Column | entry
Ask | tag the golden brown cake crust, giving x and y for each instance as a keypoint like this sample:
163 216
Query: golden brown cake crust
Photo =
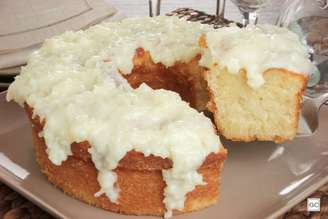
139 178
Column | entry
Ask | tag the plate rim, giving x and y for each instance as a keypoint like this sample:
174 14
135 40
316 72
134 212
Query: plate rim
13 182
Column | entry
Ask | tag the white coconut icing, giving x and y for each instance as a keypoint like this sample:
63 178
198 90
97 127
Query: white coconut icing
167 39
256 49
72 83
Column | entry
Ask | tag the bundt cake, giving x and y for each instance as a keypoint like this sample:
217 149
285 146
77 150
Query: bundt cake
116 109
105 137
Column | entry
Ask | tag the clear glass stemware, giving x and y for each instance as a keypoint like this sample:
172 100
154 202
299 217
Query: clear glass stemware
249 10
309 19
154 7
220 8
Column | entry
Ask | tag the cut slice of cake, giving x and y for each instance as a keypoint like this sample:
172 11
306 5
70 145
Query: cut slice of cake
256 80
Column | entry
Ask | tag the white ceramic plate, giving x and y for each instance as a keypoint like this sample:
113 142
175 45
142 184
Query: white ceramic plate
260 180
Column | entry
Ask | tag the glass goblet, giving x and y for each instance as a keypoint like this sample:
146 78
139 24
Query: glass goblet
249 10
309 19
154 7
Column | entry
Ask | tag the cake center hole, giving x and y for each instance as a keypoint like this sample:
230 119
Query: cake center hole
182 78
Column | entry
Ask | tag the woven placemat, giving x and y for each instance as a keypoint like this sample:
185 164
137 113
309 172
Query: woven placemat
14 206
300 210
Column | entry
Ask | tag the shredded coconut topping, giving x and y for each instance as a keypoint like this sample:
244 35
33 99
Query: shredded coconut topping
256 49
